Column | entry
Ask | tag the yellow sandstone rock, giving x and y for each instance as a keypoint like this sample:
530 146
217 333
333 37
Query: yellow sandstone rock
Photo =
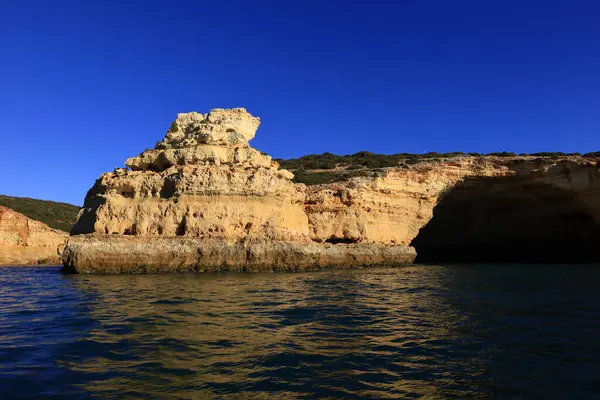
556 202
204 200
24 241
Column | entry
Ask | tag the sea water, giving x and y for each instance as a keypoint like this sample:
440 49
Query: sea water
463 331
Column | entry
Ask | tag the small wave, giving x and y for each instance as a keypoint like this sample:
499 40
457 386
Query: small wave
424 331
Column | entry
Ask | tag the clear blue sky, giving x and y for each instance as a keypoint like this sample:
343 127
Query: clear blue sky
86 84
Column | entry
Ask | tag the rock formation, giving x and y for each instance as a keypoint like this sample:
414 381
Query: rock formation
546 212
204 200
24 241
483 209
390 208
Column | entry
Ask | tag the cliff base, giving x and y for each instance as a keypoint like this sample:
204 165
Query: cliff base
130 254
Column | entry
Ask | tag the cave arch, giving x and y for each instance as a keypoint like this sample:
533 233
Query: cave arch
509 219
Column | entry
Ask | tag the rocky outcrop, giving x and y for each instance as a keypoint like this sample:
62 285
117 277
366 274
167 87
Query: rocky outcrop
202 181
483 209
24 241
549 214
390 208
211 202
114 254
204 200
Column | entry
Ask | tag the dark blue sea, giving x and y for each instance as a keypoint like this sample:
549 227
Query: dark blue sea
435 332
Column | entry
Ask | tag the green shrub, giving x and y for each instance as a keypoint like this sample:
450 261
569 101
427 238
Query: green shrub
316 178
551 154
173 127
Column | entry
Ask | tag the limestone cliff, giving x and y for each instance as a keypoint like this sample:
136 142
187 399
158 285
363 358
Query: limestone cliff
24 241
547 212
201 181
483 208
203 199
389 208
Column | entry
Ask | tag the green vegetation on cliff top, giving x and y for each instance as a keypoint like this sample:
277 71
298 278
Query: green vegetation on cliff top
323 168
56 215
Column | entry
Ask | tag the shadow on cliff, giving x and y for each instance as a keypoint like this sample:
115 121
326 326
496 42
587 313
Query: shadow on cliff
87 218
509 219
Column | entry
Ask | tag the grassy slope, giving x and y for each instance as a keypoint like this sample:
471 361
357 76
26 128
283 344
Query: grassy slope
56 215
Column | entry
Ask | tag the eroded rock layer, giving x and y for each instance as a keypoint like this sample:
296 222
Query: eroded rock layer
113 254
24 241
520 209
204 200
215 201
549 216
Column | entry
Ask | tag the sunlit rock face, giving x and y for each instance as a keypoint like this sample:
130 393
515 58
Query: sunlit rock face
520 209
204 200
24 241
205 187
391 208
202 181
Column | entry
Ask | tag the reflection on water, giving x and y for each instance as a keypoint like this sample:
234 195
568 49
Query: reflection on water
421 331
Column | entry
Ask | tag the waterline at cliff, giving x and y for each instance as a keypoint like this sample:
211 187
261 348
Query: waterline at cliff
204 200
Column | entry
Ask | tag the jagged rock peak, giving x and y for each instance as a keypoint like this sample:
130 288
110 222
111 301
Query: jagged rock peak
219 137
225 127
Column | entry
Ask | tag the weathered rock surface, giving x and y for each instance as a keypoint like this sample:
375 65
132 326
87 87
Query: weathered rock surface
550 215
204 200
483 209
202 181
390 208
24 241
114 254
214 201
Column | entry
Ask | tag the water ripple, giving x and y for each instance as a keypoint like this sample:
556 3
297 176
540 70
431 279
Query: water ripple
415 332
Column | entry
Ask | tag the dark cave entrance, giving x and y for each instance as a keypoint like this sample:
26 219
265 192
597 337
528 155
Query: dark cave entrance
337 240
509 219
